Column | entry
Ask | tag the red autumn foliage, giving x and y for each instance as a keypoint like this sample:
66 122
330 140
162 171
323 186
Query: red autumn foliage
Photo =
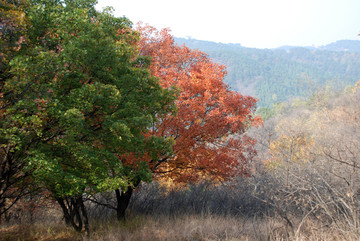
209 127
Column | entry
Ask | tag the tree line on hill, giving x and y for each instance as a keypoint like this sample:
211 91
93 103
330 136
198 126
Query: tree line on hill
276 75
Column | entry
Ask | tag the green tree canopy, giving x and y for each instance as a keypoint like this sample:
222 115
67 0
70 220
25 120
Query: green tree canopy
79 99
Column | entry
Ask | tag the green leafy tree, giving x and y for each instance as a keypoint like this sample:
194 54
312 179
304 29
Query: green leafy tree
78 101
13 178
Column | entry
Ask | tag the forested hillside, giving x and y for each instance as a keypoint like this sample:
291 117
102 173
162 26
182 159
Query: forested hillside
276 75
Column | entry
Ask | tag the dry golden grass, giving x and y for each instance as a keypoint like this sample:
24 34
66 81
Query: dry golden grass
40 232
200 227
180 228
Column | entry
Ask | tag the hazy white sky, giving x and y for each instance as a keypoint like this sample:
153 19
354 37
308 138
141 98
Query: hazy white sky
252 23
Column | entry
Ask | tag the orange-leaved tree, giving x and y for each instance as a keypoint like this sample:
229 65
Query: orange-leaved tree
208 130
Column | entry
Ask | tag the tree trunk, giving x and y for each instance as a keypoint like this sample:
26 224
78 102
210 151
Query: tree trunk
123 200
75 213
86 219
65 210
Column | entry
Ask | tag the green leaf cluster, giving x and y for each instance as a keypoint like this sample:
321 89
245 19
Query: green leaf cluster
76 100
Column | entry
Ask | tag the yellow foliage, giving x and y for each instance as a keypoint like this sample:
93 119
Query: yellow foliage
295 148
356 86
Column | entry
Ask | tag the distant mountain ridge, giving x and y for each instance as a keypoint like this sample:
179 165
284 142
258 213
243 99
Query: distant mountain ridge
338 46
343 45
276 75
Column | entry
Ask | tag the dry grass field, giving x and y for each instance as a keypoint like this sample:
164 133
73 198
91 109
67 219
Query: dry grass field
182 227
206 227
201 212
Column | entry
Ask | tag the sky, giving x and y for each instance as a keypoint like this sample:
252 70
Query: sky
251 23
